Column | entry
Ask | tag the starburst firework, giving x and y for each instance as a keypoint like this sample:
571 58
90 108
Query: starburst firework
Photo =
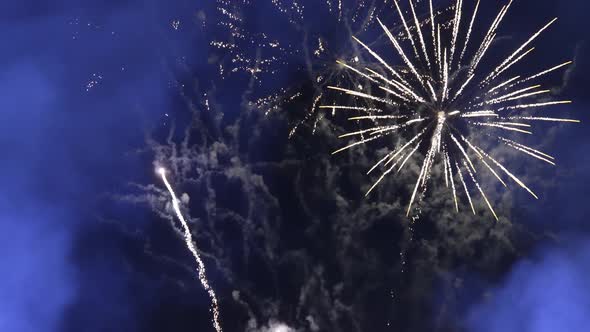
439 94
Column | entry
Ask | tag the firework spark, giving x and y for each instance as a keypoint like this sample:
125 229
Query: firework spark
440 94
188 239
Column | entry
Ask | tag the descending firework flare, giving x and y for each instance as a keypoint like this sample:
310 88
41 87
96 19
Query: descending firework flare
188 239
442 97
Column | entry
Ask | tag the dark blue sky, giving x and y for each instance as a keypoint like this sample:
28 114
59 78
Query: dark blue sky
65 146
81 82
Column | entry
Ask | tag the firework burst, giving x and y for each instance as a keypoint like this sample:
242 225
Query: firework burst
440 94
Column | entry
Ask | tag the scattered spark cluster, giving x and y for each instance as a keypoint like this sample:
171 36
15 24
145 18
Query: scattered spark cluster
188 239
239 41
266 51
442 97
93 82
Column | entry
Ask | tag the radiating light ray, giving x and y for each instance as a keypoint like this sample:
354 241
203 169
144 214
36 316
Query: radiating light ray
494 125
501 98
354 108
356 143
478 114
512 63
438 52
504 84
515 124
489 38
400 51
401 15
465 187
533 118
432 92
377 117
530 94
402 88
188 239
498 20
380 59
546 71
409 156
419 30
460 146
451 177
436 144
370 130
456 23
381 129
530 40
445 76
445 166
481 191
485 47
393 154
381 178
458 93
549 103
408 95
391 92
530 153
361 94
342 63
424 173
469 33
481 115
438 131
433 26
483 161
392 128
512 176
528 148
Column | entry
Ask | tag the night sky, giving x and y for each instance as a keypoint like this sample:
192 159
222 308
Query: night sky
95 95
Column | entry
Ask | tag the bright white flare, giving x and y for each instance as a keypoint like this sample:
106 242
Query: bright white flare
437 96
188 239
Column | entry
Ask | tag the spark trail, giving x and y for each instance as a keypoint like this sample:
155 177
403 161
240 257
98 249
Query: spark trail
437 98
188 239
